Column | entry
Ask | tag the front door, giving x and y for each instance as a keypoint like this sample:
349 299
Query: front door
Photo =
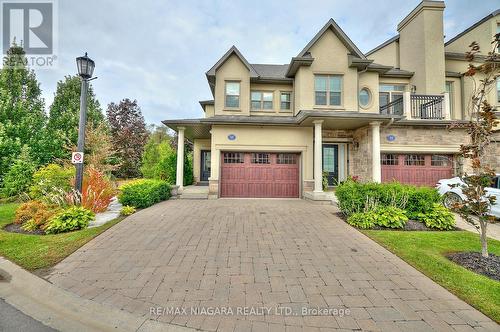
331 163
205 165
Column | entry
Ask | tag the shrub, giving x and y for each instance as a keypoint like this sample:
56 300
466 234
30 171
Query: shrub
358 197
159 161
127 210
143 193
49 179
421 200
389 216
35 212
70 219
438 217
97 191
361 220
30 226
19 176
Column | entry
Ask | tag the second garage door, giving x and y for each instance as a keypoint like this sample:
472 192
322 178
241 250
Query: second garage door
416 169
259 174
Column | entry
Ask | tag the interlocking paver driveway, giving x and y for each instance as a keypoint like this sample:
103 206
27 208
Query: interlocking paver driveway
283 255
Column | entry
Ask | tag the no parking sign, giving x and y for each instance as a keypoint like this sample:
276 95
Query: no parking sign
77 157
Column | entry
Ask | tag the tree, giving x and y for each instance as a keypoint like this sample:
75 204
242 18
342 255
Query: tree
22 115
129 134
159 160
19 176
477 204
64 116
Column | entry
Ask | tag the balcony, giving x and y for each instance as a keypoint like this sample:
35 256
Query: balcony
416 107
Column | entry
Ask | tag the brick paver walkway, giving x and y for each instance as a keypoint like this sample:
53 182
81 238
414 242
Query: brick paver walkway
237 259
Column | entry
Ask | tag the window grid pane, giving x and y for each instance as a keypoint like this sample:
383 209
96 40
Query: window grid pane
335 98
389 159
260 158
286 159
414 160
335 83
233 158
232 101
440 160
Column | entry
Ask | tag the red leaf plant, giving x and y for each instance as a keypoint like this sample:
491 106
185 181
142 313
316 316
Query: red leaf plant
97 191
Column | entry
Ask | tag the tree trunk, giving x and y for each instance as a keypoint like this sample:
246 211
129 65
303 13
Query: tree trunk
484 240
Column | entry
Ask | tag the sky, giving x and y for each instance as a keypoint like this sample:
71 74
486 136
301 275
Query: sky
158 51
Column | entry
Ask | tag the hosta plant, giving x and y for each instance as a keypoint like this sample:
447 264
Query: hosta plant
362 220
438 217
390 217
70 219
127 210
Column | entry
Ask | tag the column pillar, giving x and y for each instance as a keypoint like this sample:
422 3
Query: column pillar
179 178
407 104
447 108
376 169
318 157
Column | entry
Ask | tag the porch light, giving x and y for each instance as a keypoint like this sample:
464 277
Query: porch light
85 66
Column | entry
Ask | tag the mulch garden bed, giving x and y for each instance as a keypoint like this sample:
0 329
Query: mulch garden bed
489 267
16 228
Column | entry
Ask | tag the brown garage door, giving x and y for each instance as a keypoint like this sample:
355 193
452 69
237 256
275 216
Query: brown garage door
416 169
259 174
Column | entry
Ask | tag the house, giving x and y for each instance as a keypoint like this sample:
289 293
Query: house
273 130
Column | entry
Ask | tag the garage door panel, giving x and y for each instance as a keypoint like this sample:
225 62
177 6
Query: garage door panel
260 175
419 170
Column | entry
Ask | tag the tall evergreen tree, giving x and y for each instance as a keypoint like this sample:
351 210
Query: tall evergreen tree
64 115
129 133
22 114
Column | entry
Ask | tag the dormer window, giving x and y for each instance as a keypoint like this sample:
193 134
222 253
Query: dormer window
328 90
232 95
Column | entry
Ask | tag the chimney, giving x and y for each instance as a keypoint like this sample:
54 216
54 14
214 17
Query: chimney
421 47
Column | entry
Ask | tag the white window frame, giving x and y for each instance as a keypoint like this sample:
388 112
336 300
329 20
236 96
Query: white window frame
226 94
328 90
289 109
262 101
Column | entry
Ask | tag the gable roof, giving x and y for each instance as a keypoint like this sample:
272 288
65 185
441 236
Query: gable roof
332 25
472 27
231 51
384 44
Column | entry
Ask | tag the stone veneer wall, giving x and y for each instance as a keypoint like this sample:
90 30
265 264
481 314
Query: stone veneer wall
437 135
360 159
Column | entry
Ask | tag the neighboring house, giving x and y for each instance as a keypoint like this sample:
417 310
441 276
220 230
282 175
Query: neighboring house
272 130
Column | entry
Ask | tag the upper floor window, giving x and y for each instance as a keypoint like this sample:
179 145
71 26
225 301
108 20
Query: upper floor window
328 90
232 95
365 97
262 100
285 100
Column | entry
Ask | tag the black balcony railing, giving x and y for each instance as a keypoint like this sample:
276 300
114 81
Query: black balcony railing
395 107
427 106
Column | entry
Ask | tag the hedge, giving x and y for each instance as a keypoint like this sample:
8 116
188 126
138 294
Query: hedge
144 193
356 197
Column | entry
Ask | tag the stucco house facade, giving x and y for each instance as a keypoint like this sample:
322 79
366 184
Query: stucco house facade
274 130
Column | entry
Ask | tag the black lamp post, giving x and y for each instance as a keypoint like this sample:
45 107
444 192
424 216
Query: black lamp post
85 67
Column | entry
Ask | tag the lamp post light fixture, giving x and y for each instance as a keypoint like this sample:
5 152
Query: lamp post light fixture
85 67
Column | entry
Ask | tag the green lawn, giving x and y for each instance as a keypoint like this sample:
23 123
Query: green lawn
34 252
425 251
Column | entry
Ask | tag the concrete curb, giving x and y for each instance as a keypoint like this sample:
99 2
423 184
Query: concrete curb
65 311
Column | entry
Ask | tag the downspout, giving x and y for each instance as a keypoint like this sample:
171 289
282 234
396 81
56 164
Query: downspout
391 121
462 95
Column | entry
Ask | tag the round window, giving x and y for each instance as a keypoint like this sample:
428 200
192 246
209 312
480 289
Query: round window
364 97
